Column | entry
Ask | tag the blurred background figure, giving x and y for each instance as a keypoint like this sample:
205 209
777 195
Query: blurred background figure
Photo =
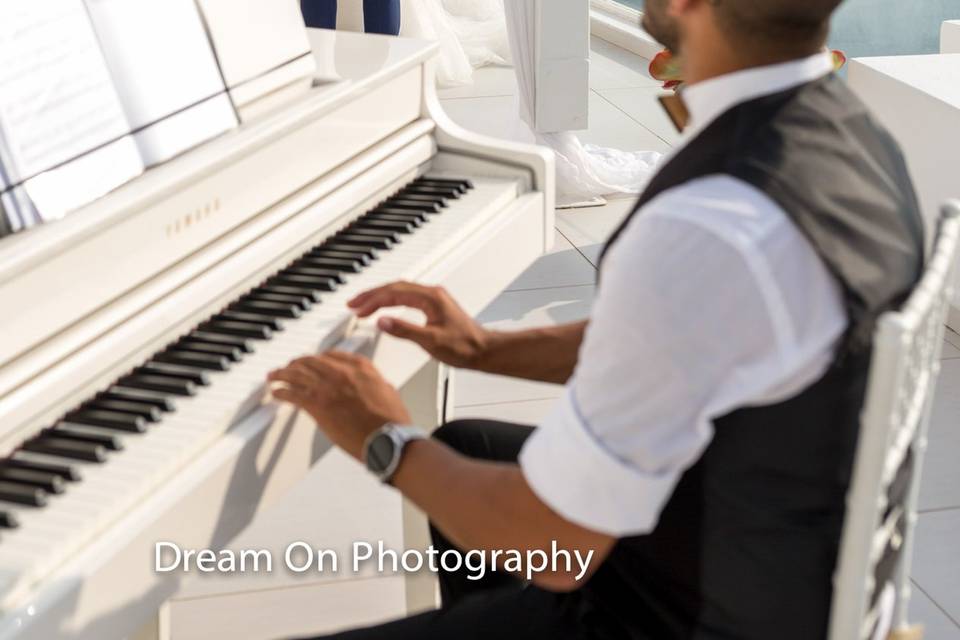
379 16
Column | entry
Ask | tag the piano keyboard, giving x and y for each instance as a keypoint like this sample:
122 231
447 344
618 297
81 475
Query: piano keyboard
73 478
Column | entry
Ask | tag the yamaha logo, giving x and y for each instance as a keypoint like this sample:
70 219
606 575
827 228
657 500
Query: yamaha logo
184 222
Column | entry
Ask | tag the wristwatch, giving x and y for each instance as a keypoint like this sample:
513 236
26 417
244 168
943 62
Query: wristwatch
384 448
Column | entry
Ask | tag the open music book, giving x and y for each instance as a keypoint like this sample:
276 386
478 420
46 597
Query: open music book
94 91
62 129
165 73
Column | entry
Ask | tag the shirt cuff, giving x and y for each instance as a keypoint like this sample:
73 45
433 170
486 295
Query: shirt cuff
572 472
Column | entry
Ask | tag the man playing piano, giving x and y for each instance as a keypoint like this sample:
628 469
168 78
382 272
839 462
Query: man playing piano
703 446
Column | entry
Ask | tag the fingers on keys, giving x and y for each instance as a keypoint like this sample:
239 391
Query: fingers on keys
313 375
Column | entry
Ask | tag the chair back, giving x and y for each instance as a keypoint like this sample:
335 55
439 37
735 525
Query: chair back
872 580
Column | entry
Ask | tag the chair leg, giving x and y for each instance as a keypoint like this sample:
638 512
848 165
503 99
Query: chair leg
907 633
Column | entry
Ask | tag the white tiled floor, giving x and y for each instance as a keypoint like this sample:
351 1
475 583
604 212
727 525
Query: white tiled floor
558 288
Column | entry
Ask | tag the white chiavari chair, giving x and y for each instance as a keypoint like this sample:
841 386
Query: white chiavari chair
872 581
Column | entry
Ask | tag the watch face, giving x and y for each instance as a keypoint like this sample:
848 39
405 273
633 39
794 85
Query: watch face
380 453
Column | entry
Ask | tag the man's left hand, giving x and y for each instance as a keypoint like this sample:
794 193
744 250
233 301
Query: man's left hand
344 393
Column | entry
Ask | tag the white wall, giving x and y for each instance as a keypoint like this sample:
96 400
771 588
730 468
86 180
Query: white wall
950 37
918 99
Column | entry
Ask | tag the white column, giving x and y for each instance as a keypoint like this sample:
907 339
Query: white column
550 41
563 65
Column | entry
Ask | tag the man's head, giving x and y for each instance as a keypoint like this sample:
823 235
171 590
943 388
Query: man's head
776 29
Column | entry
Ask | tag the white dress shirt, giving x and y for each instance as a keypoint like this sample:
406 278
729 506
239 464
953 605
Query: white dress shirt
710 301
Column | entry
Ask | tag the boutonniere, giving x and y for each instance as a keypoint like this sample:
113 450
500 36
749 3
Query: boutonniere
668 68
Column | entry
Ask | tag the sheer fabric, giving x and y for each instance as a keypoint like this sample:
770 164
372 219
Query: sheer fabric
474 33
471 33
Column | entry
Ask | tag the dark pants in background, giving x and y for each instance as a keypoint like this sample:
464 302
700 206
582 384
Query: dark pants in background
379 16
499 606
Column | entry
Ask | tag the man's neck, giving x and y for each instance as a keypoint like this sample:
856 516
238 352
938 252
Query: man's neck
704 63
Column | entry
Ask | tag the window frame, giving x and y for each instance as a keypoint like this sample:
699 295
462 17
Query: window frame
619 24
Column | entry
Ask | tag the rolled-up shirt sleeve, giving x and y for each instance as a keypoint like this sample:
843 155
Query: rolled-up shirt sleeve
682 332
571 470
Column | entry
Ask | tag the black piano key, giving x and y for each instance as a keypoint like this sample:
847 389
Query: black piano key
314 272
341 247
232 354
281 290
411 205
49 482
439 195
238 329
301 302
357 256
148 412
163 384
434 188
422 216
195 375
443 180
386 225
263 307
65 430
411 218
304 282
68 473
383 244
160 400
270 322
23 494
237 342
465 185
336 264
429 196
441 183
63 448
109 419
208 361
376 234
8 520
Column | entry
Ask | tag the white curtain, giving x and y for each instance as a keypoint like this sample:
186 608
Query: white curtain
473 33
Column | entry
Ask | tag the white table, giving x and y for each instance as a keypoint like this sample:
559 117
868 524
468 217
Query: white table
918 99
950 37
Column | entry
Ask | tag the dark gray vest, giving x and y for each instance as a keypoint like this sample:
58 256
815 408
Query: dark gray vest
747 544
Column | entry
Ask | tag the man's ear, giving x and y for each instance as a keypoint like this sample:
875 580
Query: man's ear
679 8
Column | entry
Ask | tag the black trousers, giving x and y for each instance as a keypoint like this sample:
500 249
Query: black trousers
498 606
379 16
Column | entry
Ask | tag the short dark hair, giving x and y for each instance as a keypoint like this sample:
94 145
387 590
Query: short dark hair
798 21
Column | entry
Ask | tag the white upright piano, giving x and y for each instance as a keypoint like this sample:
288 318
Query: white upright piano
135 334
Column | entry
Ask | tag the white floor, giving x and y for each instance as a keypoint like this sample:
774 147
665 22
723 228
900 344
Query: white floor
559 288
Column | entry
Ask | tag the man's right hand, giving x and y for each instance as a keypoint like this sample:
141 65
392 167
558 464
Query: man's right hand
450 334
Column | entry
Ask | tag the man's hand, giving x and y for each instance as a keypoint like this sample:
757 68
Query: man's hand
450 335
454 338
344 393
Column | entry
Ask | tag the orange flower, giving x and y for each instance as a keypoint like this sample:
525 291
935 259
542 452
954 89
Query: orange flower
666 67
839 59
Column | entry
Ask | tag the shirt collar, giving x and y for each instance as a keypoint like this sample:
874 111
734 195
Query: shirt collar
709 99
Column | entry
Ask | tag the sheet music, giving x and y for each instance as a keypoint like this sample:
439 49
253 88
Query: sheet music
57 103
165 73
